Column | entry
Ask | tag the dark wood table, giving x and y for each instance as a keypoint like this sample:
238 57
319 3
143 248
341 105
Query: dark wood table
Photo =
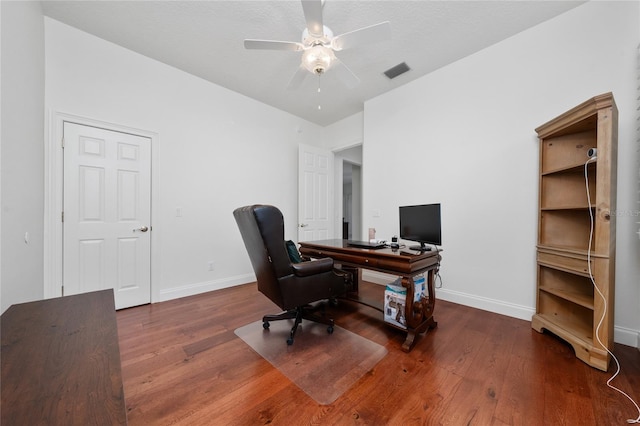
401 262
61 362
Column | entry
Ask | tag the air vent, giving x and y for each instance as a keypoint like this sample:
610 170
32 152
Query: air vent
393 72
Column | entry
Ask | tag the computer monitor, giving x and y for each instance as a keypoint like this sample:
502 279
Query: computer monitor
421 224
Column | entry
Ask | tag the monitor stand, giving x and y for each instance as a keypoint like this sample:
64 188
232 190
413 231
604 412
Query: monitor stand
421 247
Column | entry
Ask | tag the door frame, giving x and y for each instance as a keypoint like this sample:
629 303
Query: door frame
339 161
356 186
53 192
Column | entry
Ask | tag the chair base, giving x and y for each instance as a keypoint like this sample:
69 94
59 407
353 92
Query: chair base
301 312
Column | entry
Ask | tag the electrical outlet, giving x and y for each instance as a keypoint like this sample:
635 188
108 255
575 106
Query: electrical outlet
211 265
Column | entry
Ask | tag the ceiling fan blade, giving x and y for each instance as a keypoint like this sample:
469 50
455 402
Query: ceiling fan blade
297 78
272 45
344 74
370 34
313 16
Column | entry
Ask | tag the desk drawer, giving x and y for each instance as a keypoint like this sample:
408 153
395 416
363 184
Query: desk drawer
340 257
313 253
356 260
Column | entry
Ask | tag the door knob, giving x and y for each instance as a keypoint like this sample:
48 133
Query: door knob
302 225
143 229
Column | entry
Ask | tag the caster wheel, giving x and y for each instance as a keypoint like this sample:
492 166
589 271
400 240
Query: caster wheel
290 341
265 325
330 329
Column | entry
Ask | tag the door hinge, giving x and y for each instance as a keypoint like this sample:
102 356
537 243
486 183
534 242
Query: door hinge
62 216
62 291
62 143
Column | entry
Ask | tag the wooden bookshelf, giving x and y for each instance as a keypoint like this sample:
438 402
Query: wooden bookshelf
574 277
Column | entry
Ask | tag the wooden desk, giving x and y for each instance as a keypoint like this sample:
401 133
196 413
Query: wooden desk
61 362
402 262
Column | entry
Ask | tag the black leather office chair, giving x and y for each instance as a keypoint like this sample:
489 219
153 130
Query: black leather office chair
291 286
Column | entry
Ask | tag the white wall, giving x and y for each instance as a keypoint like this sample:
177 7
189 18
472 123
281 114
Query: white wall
1 306
343 134
638 164
22 175
464 136
218 151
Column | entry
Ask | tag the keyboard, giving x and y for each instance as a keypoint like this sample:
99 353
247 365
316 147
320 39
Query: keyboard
365 244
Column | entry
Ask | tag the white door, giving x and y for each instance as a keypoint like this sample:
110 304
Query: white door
315 193
107 214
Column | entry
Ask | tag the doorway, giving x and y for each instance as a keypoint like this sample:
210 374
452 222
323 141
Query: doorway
349 161
351 201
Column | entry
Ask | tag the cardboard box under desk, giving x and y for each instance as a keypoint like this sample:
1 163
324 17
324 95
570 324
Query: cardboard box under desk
395 297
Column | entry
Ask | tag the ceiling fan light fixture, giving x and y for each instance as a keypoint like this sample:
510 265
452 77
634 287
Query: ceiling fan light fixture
318 59
319 45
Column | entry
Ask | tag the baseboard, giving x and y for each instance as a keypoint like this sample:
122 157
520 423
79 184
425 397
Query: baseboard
487 304
626 336
474 301
203 287
377 277
622 335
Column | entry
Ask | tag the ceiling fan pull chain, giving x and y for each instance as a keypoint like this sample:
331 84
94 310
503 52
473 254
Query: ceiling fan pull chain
319 106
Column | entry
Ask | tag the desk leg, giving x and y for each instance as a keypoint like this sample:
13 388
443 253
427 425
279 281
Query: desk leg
419 314
356 275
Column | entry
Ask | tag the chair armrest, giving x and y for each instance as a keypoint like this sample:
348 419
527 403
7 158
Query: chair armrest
313 267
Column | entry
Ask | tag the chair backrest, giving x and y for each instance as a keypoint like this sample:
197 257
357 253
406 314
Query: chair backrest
262 230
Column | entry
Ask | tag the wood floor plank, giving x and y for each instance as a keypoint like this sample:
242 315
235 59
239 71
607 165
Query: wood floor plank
605 399
522 393
482 385
567 399
182 364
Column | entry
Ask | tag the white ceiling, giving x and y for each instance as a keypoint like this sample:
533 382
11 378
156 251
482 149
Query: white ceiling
205 38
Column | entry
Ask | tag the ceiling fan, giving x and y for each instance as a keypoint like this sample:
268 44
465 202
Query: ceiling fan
319 45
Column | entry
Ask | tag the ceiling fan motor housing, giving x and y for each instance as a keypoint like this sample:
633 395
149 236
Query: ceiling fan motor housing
310 40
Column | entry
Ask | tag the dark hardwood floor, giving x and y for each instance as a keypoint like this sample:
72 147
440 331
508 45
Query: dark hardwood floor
182 364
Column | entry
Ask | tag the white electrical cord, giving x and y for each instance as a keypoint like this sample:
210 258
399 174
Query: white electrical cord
604 312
